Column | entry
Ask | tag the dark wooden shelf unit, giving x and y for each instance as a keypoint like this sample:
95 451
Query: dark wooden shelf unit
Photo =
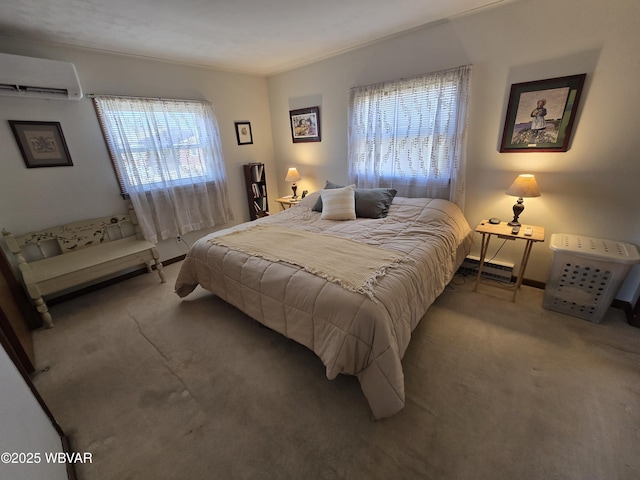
256 186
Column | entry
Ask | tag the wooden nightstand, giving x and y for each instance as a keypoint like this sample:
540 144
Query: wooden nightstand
503 230
288 201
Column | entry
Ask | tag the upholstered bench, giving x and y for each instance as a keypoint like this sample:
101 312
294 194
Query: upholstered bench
76 254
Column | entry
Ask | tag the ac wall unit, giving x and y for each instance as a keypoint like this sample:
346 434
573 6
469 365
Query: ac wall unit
30 77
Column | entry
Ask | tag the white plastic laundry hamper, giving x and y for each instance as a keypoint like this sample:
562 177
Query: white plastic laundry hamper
586 273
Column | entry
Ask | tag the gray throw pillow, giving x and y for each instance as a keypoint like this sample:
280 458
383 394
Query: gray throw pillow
374 202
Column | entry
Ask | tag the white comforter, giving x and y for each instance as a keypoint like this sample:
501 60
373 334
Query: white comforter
350 332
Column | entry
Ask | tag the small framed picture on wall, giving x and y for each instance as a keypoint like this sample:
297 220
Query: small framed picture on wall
243 133
41 144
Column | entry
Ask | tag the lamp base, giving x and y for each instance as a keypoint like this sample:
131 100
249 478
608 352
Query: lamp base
294 187
517 210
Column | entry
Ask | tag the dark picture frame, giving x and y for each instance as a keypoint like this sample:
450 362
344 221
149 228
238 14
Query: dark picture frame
541 114
243 133
41 144
305 124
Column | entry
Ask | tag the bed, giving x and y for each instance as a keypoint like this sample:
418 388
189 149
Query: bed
355 327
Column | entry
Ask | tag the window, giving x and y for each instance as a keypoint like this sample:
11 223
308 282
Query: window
168 159
156 142
409 135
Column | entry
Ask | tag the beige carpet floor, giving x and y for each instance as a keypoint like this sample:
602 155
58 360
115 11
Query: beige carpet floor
161 388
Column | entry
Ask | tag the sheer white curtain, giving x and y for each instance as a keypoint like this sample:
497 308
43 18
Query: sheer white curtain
168 158
410 135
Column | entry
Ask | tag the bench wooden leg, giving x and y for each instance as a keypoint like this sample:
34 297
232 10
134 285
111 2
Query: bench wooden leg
160 269
41 306
156 259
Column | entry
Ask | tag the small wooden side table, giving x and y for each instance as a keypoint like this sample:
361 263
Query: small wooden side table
503 230
288 202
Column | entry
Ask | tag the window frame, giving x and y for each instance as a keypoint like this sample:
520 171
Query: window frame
117 153
423 160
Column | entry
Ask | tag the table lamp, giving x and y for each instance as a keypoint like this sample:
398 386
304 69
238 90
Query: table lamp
293 176
524 186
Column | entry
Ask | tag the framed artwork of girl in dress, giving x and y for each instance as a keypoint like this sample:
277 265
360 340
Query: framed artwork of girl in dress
540 115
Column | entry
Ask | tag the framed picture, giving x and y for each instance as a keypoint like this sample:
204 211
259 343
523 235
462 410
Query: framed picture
540 115
243 133
305 124
42 144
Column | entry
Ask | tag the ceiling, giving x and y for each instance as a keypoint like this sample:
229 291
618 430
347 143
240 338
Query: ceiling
253 36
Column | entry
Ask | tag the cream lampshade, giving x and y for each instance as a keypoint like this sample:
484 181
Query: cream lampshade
524 186
293 176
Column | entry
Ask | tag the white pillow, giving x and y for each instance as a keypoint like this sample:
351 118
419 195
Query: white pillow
339 203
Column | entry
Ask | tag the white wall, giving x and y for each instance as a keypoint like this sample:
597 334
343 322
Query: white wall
40 197
588 190
25 428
